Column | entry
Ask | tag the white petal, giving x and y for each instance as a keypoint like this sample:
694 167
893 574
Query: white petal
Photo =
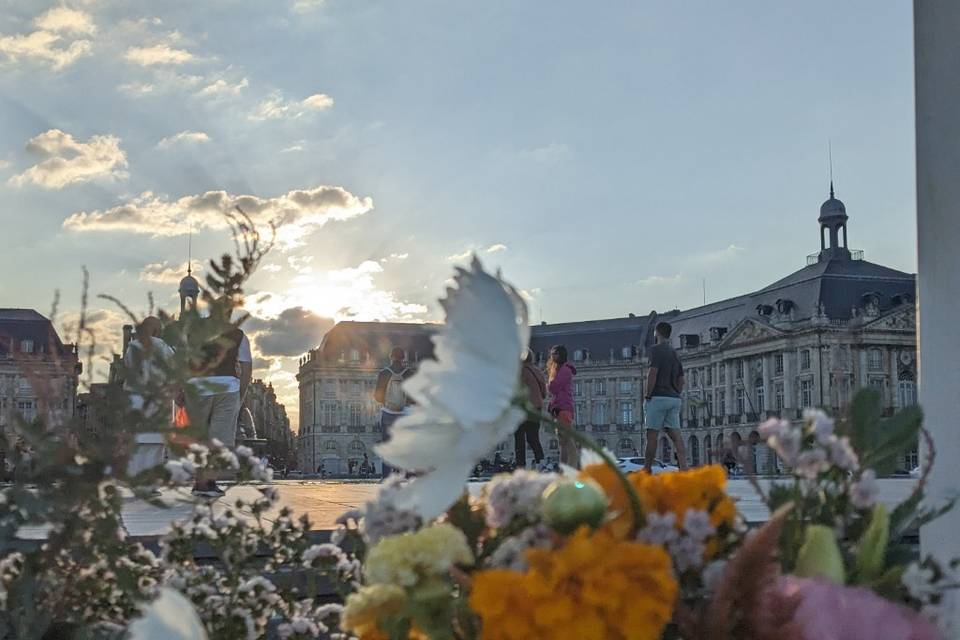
171 617
432 494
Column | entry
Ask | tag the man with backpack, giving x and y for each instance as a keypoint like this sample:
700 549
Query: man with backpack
390 395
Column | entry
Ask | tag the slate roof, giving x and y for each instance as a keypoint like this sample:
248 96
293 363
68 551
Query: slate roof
377 339
17 325
603 339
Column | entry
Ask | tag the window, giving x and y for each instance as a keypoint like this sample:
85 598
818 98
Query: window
805 360
778 392
876 384
329 416
693 448
741 401
554 445
626 413
600 387
710 376
354 355
578 355
696 378
907 391
24 385
356 447
626 446
739 369
709 408
761 399
778 364
600 413
722 373
707 450
666 454
875 360
627 353
602 443
579 409
355 415
330 445
330 389
26 346
577 388
722 403
25 408
356 387
626 385
806 393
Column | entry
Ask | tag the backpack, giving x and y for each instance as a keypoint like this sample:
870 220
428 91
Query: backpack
394 399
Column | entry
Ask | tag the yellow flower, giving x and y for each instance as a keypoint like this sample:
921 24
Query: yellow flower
406 559
595 586
700 489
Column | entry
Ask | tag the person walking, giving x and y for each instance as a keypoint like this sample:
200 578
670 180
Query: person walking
529 431
662 397
560 376
390 395
143 359
220 389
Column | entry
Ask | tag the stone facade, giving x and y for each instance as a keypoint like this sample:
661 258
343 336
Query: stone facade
270 423
38 373
810 339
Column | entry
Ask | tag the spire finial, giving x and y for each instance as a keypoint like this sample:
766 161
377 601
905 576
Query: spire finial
830 154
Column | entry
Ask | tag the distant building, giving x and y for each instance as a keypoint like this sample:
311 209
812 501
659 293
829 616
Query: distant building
810 339
38 372
270 422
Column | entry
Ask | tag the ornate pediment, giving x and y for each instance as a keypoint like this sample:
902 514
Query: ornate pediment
904 319
749 331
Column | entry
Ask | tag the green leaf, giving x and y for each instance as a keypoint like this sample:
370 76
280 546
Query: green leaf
819 557
896 435
865 411
873 545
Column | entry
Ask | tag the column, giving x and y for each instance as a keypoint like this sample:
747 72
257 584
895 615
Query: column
789 380
820 396
892 389
862 379
768 400
728 388
936 50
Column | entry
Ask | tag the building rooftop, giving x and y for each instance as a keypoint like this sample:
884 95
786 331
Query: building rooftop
26 331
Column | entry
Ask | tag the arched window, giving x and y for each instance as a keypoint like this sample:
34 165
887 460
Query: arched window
356 447
719 447
554 445
907 389
761 396
666 449
330 445
875 360
626 446
694 445
707 450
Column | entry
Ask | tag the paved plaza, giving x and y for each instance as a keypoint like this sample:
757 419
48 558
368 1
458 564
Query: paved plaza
325 500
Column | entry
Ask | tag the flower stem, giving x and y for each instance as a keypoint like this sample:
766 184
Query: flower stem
584 440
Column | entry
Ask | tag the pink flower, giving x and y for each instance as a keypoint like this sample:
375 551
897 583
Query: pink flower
833 612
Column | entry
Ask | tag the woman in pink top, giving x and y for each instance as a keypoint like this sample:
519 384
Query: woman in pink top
560 374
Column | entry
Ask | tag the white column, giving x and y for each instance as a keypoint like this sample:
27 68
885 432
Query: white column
936 52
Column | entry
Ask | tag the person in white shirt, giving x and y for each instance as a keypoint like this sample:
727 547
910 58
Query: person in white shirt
142 356
227 370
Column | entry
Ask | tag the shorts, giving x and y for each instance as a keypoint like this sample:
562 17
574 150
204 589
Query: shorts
217 414
662 412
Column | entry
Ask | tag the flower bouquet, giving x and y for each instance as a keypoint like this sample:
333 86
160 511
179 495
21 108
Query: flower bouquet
596 553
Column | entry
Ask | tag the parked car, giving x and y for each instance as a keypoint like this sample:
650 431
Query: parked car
629 465
296 474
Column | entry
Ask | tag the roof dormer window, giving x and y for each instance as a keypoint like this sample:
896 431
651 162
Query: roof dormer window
26 346
764 310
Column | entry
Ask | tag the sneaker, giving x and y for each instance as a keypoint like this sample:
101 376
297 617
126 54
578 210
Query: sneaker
209 491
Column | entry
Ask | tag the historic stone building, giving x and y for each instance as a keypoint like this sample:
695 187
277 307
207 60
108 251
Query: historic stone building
270 424
810 339
38 372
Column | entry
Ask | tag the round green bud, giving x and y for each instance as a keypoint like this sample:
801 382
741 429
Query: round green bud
569 503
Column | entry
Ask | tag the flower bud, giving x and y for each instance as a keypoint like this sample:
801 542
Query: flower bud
568 503
819 557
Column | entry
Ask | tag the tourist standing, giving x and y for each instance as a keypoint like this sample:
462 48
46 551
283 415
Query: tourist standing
220 388
529 431
390 395
662 407
560 375
143 358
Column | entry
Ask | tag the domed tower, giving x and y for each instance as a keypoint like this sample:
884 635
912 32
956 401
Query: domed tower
189 291
833 219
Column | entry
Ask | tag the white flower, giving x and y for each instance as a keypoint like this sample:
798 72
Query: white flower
787 444
686 553
515 495
382 516
659 529
810 464
244 452
842 454
919 582
696 524
464 397
512 552
170 616
325 550
865 491
821 425
179 473
773 427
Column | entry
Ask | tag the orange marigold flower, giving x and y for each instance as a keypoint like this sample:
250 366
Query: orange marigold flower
595 586
701 489
620 520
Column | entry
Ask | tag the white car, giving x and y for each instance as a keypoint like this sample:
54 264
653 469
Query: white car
629 465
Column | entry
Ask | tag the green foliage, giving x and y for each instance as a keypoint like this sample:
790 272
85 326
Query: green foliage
872 548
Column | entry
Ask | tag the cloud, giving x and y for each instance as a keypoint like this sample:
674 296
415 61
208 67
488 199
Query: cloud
296 213
67 161
184 137
465 254
714 258
60 39
276 107
4 163
167 273
158 54
106 327
549 155
496 248
293 332
297 146
305 6
211 86
654 281
221 87
271 267
457 257
399 256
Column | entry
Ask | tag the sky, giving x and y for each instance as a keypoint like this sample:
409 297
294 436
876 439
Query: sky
610 158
